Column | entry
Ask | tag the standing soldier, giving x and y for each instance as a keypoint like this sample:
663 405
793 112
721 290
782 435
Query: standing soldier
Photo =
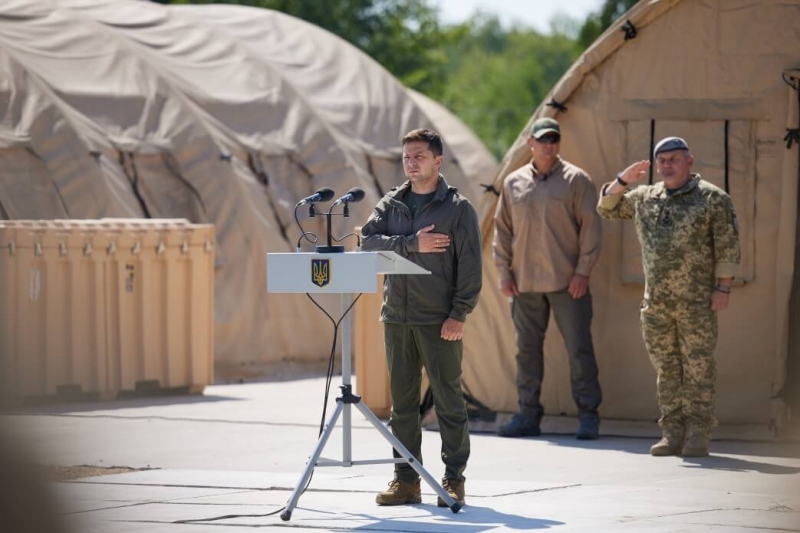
546 241
690 252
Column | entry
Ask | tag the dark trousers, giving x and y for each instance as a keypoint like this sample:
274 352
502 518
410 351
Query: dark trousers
408 348
531 314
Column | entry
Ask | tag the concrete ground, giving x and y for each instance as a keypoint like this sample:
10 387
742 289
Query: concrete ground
230 458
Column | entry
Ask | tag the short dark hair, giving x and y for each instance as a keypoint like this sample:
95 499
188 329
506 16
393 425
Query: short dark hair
429 136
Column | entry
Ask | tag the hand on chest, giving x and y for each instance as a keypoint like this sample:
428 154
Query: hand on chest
402 222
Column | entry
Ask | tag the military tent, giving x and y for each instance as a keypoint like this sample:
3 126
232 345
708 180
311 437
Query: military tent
724 75
220 114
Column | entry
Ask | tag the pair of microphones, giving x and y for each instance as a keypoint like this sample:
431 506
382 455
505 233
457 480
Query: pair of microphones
324 194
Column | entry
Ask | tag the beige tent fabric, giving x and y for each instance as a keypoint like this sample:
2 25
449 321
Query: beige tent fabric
25 175
787 333
694 69
360 104
220 114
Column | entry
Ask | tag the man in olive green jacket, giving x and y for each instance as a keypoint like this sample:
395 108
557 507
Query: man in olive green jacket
429 223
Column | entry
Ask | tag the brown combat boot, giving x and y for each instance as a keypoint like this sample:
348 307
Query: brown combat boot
696 446
666 446
400 493
454 489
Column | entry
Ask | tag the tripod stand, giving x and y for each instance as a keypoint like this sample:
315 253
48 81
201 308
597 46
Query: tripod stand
285 273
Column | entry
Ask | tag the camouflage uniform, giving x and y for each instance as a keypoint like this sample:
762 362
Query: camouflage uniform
689 238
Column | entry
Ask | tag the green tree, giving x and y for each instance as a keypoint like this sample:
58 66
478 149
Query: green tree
402 35
598 22
496 78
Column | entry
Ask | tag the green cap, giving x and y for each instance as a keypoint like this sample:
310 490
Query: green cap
543 126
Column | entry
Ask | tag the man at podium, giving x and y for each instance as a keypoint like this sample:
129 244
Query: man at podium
429 223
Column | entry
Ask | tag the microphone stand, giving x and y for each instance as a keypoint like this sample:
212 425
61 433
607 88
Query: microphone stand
331 248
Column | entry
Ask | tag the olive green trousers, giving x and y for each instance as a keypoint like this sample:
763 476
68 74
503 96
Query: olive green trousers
409 348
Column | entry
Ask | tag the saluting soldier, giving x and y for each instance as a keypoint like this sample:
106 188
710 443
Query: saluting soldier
690 252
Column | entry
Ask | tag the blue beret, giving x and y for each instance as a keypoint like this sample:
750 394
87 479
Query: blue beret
670 144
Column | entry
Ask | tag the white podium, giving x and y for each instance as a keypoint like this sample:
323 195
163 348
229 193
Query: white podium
344 273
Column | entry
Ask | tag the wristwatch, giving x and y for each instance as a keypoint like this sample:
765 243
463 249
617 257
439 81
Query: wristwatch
619 180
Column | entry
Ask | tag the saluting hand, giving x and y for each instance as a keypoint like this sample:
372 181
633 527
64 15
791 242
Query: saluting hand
432 242
635 172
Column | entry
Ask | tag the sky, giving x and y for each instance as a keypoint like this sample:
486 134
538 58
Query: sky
534 13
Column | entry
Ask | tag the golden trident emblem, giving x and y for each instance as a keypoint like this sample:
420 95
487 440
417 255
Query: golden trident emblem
320 272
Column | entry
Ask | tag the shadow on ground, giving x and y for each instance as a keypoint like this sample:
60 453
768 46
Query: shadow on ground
732 464
471 519
641 446
128 403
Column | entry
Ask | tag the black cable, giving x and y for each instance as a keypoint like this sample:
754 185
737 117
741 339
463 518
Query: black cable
316 238
328 378
358 239
305 233
331 358
227 516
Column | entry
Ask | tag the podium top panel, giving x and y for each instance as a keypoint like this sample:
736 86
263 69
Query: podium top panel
391 263
346 272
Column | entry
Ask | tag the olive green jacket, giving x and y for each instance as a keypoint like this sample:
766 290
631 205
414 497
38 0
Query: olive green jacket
452 288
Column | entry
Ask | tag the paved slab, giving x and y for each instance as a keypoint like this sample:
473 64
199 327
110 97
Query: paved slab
230 458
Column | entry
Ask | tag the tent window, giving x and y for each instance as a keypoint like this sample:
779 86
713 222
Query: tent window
725 155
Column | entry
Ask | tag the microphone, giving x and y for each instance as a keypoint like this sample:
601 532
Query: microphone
323 194
356 194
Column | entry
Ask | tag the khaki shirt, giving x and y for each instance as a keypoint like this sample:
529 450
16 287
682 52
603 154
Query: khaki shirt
689 239
546 227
